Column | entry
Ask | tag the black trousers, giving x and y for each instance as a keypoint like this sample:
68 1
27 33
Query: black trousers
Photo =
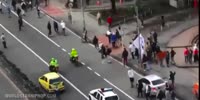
4 44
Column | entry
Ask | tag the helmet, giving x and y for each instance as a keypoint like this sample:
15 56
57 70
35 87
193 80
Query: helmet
73 49
52 58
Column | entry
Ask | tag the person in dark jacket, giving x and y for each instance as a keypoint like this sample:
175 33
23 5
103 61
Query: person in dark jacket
161 94
167 58
18 11
95 42
172 53
55 25
137 53
14 4
103 52
155 36
190 56
139 89
20 22
49 28
172 76
125 56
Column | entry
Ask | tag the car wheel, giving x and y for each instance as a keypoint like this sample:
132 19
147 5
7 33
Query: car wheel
90 98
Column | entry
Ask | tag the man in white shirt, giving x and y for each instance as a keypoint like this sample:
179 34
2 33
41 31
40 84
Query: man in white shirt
62 24
108 34
132 49
131 76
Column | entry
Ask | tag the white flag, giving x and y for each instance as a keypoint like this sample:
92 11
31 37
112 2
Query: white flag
140 43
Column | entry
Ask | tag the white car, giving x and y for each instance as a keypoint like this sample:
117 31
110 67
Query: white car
103 94
155 82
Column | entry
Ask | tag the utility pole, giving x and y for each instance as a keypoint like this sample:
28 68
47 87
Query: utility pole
138 33
82 8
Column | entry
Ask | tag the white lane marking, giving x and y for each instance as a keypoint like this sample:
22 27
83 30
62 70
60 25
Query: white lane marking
119 89
97 74
64 50
82 63
13 84
89 68
74 86
43 60
35 28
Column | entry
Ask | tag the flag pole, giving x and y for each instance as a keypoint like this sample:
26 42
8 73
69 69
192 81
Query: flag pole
138 33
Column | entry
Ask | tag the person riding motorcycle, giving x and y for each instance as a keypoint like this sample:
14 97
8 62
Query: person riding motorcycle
53 66
74 54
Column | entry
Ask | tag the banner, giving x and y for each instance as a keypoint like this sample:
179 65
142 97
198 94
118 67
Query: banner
139 44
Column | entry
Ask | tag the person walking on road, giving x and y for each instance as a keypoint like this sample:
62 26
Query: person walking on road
125 57
20 22
9 11
14 4
186 52
38 11
131 49
55 25
172 76
160 94
62 24
49 28
1 11
95 42
172 54
3 39
18 11
147 91
140 89
131 76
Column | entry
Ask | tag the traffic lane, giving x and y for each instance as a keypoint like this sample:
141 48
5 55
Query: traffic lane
114 72
31 66
8 88
83 72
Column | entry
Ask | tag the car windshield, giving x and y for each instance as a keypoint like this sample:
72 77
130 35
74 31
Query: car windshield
156 82
112 98
52 81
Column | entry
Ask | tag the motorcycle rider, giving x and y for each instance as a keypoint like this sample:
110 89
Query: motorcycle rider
74 54
53 64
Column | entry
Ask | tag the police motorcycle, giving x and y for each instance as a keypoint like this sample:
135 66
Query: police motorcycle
74 58
53 66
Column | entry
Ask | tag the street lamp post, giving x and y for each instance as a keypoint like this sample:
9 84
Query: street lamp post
82 8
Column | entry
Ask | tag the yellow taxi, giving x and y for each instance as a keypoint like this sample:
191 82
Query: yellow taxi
51 81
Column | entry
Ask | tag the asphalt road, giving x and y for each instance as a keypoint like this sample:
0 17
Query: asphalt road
8 89
83 78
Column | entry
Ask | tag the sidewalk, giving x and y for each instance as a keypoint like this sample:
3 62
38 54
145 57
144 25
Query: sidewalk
183 86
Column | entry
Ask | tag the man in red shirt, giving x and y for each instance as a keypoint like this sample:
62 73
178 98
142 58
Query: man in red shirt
196 56
109 21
